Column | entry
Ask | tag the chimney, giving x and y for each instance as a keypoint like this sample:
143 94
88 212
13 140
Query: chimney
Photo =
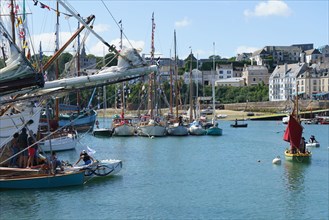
285 68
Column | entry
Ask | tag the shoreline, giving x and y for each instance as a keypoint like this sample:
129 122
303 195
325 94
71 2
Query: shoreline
231 115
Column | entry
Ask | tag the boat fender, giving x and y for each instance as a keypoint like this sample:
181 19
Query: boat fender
276 160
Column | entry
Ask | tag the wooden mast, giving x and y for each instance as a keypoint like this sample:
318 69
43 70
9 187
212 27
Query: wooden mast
57 65
170 94
191 92
176 77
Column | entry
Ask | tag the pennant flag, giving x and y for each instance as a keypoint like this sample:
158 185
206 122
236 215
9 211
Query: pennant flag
25 45
35 2
19 21
120 22
22 33
90 151
44 6
28 55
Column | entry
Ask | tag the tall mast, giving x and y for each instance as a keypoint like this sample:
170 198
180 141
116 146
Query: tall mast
191 92
176 77
170 97
123 103
78 68
151 76
57 65
12 18
213 82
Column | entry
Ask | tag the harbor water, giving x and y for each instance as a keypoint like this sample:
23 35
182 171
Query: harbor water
205 177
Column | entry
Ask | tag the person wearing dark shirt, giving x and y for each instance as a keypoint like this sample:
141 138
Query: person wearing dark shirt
22 143
87 159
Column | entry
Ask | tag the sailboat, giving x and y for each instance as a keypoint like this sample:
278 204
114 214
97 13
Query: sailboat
293 135
105 132
212 128
195 127
152 125
178 128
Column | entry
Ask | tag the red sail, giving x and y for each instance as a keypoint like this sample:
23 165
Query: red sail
293 133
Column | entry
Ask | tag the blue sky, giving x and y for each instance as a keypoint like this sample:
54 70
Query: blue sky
234 26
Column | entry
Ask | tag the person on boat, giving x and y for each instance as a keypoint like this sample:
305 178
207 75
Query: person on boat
15 149
22 143
302 146
236 121
97 124
55 162
180 120
31 151
312 139
87 159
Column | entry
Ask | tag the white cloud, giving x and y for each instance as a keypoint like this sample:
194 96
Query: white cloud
48 42
246 49
183 23
100 28
269 8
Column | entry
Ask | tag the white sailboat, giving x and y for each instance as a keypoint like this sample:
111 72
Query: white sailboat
152 125
213 129
177 129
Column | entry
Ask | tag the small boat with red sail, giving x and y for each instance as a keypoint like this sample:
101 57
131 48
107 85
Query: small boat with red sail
293 135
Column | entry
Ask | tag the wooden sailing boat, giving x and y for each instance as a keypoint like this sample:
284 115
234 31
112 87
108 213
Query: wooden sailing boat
293 135
177 129
122 126
195 127
105 132
213 129
152 125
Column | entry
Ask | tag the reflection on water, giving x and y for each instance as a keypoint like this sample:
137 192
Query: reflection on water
294 177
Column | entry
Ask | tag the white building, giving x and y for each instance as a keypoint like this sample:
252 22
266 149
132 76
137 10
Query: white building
282 82
234 81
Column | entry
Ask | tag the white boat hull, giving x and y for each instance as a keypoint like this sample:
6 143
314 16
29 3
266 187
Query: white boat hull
152 130
197 130
124 130
100 168
68 142
177 131
317 144
11 123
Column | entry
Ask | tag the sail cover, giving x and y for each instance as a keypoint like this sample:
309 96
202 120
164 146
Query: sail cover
293 133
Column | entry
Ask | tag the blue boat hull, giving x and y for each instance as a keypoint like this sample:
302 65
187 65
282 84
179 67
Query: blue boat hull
43 181
82 122
215 131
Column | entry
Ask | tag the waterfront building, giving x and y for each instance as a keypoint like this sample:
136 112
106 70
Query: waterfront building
282 82
253 75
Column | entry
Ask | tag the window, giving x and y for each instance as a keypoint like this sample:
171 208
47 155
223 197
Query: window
254 79
221 72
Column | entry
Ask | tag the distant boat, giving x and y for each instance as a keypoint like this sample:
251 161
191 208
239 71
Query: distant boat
82 121
149 127
123 126
105 131
196 128
285 120
60 142
237 125
214 130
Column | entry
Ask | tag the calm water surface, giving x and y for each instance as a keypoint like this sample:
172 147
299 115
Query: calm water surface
227 177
